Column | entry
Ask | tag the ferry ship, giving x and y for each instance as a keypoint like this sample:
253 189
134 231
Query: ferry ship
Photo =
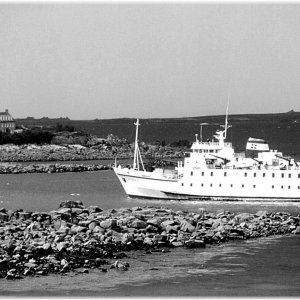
213 171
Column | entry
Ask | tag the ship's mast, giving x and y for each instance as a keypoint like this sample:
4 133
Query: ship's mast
226 120
221 135
137 158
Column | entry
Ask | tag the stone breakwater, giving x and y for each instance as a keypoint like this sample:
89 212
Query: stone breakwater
49 168
76 238
30 153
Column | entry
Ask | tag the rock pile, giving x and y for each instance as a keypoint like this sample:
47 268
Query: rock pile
30 153
49 168
74 237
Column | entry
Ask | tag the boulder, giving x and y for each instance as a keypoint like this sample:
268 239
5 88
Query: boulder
172 229
138 224
3 217
154 222
187 226
62 245
166 223
126 238
194 243
261 214
109 223
244 217
297 230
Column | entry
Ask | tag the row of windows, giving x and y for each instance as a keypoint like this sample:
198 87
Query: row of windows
7 125
246 174
206 151
254 186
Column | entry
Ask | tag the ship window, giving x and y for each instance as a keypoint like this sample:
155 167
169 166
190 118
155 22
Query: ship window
211 173
124 179
246 174
282 186
231 185
202 184
202 173
220 185
254 174
272 186
254 186
282 175
211 151
242 185
182 184
264 174
298 187
191 173
290 175
225 174
289 187
273 175
211 185
191 184
298 175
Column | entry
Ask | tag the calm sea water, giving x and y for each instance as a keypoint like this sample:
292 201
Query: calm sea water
264 267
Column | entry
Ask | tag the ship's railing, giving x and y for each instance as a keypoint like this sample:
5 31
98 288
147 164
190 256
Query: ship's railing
213 144
171 176
254 167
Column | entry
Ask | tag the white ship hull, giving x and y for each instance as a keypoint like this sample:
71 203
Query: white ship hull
212 170
214 184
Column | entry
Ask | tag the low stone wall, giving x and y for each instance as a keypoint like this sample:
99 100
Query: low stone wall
76 238
49 168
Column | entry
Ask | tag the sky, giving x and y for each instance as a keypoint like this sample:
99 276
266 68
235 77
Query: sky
99 60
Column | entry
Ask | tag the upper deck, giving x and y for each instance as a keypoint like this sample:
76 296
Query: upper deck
210 147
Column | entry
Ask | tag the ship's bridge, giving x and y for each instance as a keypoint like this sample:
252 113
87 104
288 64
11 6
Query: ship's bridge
209 147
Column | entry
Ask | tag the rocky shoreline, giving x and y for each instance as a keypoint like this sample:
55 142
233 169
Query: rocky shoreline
10 168
74 238
45 153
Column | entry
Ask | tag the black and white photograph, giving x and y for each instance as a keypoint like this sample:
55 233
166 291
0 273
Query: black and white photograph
149 149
